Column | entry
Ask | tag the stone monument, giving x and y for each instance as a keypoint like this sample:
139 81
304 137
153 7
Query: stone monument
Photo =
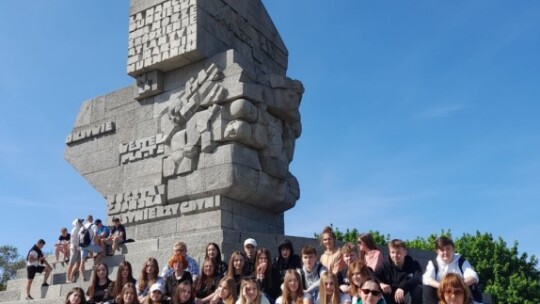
200 145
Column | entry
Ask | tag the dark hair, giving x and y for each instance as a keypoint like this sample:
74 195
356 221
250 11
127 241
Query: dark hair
74 290
217 260
443 241
268 273
41 241
367 239
95 280
374 280
118 286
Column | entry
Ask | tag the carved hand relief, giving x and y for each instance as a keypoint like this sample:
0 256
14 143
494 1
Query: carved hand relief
229 130
208 114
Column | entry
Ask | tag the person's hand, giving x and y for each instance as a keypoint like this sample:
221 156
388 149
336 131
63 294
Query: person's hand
399 297
261 269
386 288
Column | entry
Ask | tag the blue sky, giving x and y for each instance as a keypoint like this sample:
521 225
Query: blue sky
418 115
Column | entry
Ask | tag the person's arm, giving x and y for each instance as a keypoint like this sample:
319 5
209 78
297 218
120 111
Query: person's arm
416 278
209 297
469 274
429 277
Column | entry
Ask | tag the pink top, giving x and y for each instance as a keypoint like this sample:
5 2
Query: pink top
374 259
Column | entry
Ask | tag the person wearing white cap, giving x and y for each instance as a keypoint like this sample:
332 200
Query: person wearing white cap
74 250
156 295
250 249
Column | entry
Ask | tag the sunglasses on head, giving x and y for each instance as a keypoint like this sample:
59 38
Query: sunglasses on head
374 293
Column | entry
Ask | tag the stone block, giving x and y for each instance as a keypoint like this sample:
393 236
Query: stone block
106 181
230 153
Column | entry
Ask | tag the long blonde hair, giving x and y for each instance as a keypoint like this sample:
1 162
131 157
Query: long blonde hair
245 282
286 297
325 277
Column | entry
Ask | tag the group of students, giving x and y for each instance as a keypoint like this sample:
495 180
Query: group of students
74 249
353 274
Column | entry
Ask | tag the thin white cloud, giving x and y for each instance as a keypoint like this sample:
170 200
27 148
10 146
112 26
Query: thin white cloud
442 111
21 202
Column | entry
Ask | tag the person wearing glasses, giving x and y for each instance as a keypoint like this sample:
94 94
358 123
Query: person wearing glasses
369 251
193 266
454 290
400 275
359 273
371 292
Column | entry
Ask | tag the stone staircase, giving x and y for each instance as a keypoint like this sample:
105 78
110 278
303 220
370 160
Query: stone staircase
136 253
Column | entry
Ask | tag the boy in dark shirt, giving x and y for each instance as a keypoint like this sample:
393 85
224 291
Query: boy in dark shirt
400 275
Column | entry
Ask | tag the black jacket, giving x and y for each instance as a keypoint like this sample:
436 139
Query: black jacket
406 278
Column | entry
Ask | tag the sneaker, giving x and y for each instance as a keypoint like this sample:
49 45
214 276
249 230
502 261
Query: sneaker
69 281
44 284
29 297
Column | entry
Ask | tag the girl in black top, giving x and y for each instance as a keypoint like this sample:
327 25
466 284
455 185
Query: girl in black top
213 252
98 291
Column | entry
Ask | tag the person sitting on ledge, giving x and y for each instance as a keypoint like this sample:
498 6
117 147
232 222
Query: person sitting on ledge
117 237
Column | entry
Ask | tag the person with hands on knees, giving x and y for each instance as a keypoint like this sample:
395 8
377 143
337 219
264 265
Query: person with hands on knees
400 275
62 245
447 261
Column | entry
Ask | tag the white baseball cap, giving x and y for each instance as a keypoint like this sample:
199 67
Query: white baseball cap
250 241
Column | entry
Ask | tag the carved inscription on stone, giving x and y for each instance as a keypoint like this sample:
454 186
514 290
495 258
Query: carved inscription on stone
149 84
161 32
132 211
142 148
136 199
91 132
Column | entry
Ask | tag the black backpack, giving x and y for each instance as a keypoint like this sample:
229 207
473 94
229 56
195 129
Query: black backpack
476 292
84 236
